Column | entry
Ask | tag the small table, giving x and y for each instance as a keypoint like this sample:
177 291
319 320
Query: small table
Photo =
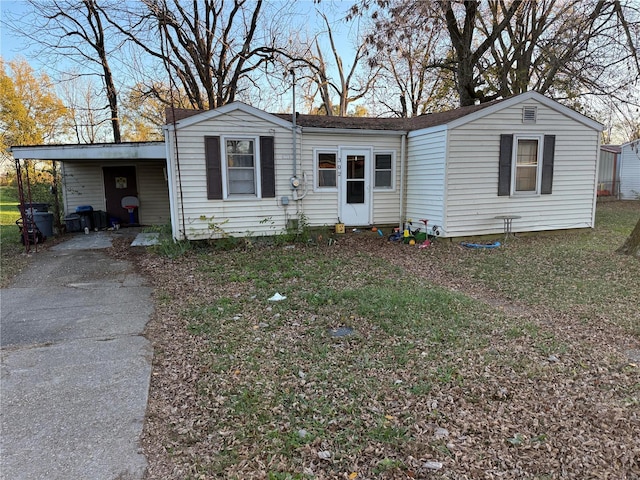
507 220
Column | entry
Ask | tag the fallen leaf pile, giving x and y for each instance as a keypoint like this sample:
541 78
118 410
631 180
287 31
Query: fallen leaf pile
475 385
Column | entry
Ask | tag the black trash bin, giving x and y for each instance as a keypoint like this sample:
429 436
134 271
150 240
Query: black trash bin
35 207
86 216
72 223
99 219
44 222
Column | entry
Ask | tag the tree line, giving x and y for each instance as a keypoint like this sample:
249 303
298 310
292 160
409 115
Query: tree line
124 62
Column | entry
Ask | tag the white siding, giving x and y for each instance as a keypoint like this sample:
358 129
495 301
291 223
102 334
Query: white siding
472 175
425 185
321 207
83 184
153 194
630 171
205 218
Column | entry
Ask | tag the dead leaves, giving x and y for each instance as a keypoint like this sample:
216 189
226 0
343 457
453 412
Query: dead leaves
265 389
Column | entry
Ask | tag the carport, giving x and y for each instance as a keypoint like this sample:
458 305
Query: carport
101 176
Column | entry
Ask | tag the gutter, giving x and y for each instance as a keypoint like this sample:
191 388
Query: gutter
351 131
172 189
403 163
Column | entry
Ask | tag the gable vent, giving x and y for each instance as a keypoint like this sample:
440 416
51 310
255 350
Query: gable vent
529 114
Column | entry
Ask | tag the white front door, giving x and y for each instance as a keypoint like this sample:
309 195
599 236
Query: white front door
355 199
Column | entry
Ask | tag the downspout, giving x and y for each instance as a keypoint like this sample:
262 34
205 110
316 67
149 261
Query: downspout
595 184
403 163
295 181
172 188
615 176
293 121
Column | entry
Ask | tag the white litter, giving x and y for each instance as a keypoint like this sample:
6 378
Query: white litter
277 298
431 465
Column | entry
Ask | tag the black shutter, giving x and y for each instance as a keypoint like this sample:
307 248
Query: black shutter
267 167
504 168
548 153
214 167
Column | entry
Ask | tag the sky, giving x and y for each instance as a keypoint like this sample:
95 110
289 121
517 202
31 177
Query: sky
12 45
345 35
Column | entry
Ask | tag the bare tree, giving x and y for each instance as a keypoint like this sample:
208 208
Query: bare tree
85 115
409 85
500 48
76 30
347 86
632 245
208 48
562 48
461 20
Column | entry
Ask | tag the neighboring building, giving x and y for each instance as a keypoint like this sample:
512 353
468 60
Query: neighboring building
609 171
630 171
240 171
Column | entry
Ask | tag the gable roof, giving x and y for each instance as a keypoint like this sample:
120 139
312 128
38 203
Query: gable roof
183 118
452 118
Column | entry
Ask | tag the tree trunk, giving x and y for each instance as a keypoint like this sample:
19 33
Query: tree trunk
632 245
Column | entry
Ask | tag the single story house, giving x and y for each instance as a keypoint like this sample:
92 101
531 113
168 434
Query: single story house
630 171
240 171
237 170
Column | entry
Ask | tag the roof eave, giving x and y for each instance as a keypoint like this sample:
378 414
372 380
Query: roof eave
351 131
103 151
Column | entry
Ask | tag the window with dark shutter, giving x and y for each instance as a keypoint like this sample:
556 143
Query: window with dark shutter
504 169
521 171
267 167
548 154
214 167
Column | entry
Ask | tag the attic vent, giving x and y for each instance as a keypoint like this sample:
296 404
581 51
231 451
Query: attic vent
529 114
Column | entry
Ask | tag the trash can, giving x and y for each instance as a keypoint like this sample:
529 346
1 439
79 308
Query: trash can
86 216
36 207
72 222
99 219
44 222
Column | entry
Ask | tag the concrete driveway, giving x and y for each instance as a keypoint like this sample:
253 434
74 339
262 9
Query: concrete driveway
75 367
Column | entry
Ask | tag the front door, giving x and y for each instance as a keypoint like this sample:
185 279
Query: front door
120 182
355 199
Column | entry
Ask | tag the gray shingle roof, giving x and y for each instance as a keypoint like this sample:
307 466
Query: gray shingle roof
360 123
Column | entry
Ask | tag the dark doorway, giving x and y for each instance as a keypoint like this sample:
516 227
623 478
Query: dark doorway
120 182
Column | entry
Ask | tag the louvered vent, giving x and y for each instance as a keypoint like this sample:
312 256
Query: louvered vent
529 114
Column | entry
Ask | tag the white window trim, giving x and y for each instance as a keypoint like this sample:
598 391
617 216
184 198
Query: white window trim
514 158
316 169
256 152
391 188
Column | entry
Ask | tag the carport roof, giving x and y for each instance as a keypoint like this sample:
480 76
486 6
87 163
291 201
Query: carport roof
96 151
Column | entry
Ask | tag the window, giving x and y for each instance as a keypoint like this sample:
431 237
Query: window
383 173
241 167
526 164
245 166
326 168
526 171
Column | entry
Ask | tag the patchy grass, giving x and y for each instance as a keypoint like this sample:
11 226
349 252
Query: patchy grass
12 257
462 364
574 272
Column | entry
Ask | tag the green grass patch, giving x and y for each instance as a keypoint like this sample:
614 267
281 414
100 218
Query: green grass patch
12 259
427 372
576 271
